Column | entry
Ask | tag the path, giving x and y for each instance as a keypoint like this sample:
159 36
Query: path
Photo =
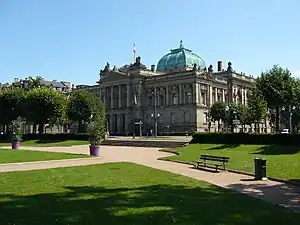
271 191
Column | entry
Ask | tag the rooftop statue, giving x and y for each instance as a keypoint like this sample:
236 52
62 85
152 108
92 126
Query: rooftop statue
229 68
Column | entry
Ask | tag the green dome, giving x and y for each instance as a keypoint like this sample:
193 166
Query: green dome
179 58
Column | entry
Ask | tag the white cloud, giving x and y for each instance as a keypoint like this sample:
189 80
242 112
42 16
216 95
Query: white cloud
296 73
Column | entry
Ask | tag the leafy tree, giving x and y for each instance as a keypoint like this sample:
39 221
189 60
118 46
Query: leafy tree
277 87
82 106
11 105
242 113
257 106
44 105
218 112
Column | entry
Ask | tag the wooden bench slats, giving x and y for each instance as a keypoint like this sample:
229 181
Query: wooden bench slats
209 161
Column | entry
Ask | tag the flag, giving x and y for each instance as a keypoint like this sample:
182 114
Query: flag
134 49
134 102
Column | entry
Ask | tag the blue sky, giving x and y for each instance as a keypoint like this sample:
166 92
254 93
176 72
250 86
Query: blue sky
73 40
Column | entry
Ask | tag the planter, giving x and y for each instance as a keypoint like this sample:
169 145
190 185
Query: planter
15 145
94 150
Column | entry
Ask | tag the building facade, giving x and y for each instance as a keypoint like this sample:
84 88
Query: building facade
173 97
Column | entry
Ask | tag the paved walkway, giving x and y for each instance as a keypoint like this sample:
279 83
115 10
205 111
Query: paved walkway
271 191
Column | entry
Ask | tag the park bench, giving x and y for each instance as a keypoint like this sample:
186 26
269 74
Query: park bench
210 161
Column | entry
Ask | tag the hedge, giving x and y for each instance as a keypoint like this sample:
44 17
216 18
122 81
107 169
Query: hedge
245 138
54 137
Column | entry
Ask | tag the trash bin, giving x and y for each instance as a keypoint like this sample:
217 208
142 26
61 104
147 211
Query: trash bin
260 169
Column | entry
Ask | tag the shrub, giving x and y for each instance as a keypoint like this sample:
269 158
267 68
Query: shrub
245 138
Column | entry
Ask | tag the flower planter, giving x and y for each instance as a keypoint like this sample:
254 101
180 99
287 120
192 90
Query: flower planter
94 150
15 145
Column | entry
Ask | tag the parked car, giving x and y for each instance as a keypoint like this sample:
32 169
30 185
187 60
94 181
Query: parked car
285 131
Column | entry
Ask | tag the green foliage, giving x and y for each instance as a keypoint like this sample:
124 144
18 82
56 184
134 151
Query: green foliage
44 105
257 106
276 86
246 138
11 104
82 106
96 130
218 111
16 129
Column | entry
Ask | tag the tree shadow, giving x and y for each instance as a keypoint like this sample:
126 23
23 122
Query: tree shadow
225 146
287 195
160 204
47 141
277 150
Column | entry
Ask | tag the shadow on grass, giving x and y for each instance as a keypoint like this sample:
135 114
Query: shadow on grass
160 204
47 141
277 150
284 194
225 146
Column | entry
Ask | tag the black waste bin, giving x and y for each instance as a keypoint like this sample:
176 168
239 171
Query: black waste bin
260 168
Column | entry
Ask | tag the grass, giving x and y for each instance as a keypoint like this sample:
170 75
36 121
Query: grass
282 162
13 156
127 194
48 143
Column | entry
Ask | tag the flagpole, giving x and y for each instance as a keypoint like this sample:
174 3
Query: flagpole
134 51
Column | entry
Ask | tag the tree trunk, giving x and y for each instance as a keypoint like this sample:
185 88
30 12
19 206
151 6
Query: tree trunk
255 127
218 125
41 128
34 128
277 127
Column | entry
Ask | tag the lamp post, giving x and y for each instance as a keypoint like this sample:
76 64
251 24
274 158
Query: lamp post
227 114
290 112
155 115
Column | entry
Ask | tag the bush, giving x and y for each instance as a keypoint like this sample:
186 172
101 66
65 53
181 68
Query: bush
245 138
50 137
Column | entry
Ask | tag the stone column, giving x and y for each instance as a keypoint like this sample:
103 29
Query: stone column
120 96
200 95
196 94
167 96
112 97
223 95
180 95
100 93
128 95
245 96
210 95
216 95
242 93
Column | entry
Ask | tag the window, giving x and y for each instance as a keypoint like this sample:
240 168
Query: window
188 98
173 118
150 101
187 118
174 99
161 100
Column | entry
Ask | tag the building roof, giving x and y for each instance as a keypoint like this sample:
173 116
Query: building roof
180 58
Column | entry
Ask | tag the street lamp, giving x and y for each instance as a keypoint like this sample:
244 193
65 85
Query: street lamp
228 120
155 115
155 118
290 111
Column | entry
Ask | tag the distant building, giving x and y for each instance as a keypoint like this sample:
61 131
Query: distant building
175 97
61 86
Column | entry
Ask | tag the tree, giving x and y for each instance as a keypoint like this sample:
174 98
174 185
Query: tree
277 87
81 106
11 105
257 106
218 112
242 114
44 105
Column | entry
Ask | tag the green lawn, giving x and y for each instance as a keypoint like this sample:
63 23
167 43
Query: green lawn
127 194
12 156
50 143
282 162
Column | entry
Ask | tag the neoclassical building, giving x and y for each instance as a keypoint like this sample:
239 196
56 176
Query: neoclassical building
174 97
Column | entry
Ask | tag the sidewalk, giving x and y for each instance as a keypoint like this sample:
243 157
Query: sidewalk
270 191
